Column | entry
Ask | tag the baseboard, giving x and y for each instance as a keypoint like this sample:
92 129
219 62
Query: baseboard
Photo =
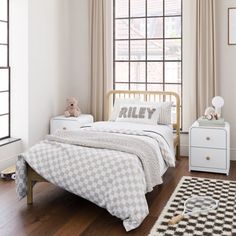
184 150
8 154
233 154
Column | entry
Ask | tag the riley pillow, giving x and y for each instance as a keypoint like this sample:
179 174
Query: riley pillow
121 102
164 109
139 113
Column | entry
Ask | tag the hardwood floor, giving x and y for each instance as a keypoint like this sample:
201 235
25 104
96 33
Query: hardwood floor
59 213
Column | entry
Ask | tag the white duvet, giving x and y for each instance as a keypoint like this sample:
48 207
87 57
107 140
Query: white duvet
109 178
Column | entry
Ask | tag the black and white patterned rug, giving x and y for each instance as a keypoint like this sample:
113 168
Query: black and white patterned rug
219 222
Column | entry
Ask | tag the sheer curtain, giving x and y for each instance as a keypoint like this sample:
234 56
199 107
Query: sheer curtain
206 86
101 58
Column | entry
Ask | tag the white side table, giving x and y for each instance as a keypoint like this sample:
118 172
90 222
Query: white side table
209 148
69 123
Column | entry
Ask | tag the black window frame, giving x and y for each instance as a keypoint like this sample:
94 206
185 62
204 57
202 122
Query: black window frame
163 83
7 67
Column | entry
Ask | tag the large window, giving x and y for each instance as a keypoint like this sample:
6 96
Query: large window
148 45
4 70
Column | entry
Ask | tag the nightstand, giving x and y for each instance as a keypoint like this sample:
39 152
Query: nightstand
69 123
209 148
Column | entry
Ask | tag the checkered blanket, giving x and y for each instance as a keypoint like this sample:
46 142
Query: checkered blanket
101 166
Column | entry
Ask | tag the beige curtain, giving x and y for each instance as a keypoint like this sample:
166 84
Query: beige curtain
206 55
100 56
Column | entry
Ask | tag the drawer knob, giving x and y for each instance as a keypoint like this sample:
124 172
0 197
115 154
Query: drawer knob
207 138
64 128
208 158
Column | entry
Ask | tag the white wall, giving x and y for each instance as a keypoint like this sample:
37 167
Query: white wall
8 154
19 69
80 52
189 63
226 67
50 78
41 77
189 71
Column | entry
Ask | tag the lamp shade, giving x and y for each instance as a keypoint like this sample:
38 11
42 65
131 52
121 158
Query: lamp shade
218 102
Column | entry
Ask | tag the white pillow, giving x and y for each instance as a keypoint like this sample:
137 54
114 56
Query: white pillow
120 102
139 113
164 108
164 112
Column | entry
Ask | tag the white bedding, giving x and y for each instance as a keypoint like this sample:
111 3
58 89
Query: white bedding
166 130
110 178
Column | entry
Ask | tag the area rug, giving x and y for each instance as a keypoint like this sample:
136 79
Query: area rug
218 222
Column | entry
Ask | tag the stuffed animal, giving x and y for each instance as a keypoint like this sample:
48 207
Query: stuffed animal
72 108
210 114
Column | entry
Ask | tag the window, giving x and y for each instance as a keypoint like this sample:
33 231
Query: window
4 70
147 45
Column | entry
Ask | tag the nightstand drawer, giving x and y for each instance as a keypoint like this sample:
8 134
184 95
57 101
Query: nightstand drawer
213 138
208 158
64 125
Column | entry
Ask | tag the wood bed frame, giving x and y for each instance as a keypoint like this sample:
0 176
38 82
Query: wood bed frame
152 96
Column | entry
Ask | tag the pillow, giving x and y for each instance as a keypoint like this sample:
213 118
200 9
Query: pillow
164 109
164 112
120 102
139 113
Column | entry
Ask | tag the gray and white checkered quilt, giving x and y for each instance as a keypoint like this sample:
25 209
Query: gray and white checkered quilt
112 179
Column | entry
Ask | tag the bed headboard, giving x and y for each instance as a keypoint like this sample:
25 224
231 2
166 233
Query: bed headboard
152 96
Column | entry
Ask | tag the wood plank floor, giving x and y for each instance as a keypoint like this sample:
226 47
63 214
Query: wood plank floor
59 213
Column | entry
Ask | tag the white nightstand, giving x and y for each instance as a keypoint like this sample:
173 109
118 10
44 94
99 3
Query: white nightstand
209 148
70 123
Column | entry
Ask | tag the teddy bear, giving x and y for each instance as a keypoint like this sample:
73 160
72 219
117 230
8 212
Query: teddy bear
210 114
72 108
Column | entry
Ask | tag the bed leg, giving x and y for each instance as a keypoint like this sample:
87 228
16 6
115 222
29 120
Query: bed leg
177 152
29 187
30 194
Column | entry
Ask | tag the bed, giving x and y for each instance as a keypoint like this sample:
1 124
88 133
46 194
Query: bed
122 163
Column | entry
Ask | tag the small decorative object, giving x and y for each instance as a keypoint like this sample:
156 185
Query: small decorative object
218 102
214 113
9 173
232 26
72 107
210 113
195 205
